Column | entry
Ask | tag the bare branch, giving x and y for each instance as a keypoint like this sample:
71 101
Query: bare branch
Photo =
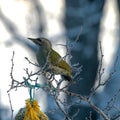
98 110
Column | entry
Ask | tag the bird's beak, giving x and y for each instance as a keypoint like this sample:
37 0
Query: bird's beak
36 40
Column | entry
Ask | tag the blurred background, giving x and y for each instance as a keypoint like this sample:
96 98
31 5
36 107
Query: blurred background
82 23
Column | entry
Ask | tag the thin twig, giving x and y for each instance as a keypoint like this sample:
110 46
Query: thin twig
116 117
66 114
35 64
11 73
78 35
11 106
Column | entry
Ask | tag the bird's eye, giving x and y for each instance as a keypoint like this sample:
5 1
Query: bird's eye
40 40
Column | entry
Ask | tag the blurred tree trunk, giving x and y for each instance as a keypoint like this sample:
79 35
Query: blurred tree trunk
83 16
119 5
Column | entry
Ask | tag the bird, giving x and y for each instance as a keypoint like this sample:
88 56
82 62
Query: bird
51 60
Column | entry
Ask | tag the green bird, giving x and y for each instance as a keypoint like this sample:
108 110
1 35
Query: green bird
51 60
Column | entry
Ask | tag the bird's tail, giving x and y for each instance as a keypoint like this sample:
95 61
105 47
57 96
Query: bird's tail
68 78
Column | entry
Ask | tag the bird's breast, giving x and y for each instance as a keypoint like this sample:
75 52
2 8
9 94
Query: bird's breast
41 57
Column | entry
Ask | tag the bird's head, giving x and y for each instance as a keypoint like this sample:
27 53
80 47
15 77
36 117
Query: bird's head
43 42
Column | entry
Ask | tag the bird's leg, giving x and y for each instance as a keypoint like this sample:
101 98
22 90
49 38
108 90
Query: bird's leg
49 77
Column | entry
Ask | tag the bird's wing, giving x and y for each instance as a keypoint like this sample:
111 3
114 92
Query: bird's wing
55 59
